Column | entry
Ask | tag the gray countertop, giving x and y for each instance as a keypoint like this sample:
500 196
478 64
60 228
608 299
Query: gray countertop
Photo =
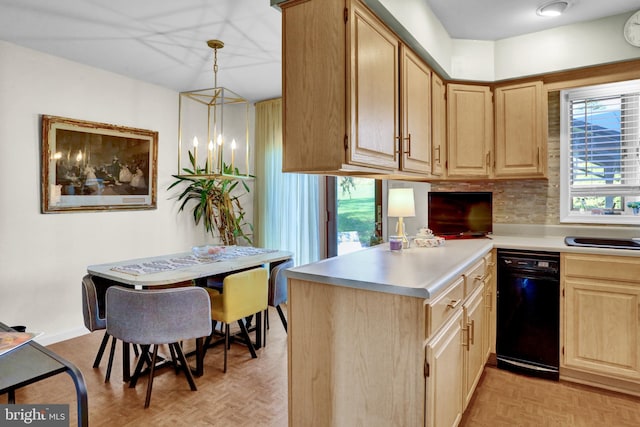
424 272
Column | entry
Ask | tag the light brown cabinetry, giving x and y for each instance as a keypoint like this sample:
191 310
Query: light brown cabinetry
373 83
445 380
438 125
416 114
364 357
473 354
520 140
601 320
490 287
470 131
340 89
355 99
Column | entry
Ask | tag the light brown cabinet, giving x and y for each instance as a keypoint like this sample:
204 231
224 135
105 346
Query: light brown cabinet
364 357
490 313
416 114
444 390
340 89
438 125
520 140
601 320
470 131
474 356
355 99
373 83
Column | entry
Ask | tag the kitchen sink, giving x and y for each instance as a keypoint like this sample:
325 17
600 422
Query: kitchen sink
603 242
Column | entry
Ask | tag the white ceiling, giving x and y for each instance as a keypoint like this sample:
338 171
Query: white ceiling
164 41
499 19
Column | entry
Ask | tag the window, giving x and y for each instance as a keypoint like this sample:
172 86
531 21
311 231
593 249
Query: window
600 154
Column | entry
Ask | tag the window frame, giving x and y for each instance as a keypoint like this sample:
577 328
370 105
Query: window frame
566 214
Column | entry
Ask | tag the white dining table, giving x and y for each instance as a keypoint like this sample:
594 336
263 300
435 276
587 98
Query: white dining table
180 269
126 273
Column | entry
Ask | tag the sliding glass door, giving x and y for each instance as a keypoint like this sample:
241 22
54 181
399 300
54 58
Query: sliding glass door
354 214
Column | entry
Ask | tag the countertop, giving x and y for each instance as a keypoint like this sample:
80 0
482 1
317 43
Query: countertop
424 272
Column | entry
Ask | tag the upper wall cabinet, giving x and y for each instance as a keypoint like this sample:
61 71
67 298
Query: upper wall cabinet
340 89
470 126
521 143
416 114
438 124
356 100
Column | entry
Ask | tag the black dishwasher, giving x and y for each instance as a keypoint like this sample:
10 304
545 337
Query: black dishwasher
528 316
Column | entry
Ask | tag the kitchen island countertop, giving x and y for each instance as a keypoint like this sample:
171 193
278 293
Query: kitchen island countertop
424 272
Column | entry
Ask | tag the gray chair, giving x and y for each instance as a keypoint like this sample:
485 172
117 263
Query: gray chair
154 317
277 293
93 311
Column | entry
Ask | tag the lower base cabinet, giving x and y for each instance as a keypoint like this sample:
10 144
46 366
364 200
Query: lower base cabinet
362 357
473 354
601 317
444 376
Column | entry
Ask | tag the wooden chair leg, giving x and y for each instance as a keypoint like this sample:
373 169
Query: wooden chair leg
151 373
245 333
184 365
110 364
284 320
103 345
144 357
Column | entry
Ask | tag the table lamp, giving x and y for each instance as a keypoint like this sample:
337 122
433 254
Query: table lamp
400 204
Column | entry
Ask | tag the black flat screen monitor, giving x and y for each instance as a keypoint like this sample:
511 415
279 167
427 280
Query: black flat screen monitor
460 214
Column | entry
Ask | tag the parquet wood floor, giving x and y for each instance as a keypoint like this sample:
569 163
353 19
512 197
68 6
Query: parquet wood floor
253 392
504 399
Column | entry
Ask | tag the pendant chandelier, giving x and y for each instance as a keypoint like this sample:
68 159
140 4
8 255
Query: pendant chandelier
213 131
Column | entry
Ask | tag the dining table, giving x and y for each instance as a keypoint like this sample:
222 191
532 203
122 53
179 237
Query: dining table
185 269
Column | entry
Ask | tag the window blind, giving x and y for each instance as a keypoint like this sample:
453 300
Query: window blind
604 134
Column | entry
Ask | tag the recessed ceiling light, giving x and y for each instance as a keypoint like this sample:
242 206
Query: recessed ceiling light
554 8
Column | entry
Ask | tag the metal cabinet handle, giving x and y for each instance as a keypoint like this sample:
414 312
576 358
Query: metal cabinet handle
398 150
408 139
480 277
472 332
454 303
438 150
465 340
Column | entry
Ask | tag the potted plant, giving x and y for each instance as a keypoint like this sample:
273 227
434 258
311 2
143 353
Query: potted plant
635 207
215 201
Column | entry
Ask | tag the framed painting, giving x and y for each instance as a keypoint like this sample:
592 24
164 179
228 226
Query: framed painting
89 166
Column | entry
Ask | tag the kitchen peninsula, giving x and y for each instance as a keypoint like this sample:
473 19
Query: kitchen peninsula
382 338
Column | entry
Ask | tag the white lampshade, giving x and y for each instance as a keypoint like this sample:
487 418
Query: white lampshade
400 203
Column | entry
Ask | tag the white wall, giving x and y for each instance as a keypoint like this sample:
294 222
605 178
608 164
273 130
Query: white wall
571 46
43 257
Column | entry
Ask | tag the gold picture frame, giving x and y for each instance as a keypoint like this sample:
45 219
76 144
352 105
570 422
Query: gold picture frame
90 166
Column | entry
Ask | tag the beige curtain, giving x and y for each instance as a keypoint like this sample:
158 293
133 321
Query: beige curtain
286 205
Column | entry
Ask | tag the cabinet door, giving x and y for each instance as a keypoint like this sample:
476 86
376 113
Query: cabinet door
470 126
444 377
602 327
374 87
520 141
474 355
416 114
314 86
438 124
490 305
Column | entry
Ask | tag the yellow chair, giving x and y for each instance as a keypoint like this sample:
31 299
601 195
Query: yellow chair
243 294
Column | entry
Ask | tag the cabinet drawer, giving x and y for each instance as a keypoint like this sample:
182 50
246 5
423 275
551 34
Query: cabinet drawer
439 310
601 267
474 277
